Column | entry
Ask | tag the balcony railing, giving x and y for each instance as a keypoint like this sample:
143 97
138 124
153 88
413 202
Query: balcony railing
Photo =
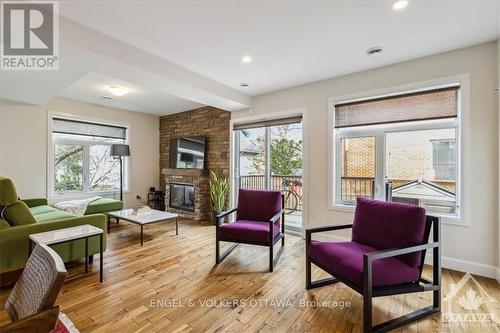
357 187
258 182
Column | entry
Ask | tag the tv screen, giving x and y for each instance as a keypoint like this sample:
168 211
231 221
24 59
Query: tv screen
187 153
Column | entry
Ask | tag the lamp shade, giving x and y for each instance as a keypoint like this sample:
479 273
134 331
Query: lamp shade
120 150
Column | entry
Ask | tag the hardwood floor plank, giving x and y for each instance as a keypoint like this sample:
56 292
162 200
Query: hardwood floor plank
171 285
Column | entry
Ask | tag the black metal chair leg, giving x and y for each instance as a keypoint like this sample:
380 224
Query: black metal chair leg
271 259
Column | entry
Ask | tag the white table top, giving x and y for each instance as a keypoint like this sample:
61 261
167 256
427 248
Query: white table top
66 234
143 216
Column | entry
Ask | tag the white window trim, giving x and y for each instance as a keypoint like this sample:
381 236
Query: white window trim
463 136
54 196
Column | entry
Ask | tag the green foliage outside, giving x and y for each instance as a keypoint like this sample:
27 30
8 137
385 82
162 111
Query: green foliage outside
68 168
286 154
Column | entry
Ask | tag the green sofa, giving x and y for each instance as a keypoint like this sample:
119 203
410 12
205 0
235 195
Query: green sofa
20 218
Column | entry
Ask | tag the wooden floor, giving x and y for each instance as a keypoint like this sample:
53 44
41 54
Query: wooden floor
171 285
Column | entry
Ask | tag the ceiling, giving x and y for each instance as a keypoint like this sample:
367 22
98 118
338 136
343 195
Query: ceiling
291 43
178 55
93 87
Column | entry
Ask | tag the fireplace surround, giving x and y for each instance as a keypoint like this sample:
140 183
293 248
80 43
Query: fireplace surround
206 121
187 194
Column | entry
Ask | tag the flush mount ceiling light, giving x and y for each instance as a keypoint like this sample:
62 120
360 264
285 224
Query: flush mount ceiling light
118 90
374 50
246 59
398 5
244 85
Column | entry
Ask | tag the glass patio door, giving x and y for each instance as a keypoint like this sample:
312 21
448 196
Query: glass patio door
268 155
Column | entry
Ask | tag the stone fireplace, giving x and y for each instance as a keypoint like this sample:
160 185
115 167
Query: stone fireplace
186 193
207 121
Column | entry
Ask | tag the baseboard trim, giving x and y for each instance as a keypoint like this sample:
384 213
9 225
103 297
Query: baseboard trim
488 271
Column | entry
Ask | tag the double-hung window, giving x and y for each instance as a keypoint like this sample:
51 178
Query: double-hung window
80 157
402 148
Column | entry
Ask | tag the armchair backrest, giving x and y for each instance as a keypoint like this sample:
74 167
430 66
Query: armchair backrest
39 284
258 205
385 225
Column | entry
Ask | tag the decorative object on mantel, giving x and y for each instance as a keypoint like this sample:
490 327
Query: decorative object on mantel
219 188
119 150
142 211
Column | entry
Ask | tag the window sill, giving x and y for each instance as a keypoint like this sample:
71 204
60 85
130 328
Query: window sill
445 219
85 195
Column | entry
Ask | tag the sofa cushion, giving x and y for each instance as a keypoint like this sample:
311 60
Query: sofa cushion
386 225
346 260
258 205
103 205
46 213
244 230
41 209
18 214
8 194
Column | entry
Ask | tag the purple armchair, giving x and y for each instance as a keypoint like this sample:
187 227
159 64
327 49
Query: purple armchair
384 257
258 218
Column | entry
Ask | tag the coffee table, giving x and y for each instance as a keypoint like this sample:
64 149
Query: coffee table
70 234
142 218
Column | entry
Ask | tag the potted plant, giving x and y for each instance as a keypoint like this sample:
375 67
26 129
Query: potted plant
219 188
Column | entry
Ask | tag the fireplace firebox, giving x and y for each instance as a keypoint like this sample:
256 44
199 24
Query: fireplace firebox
182 196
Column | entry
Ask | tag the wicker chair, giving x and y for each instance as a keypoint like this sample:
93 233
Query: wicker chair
30 305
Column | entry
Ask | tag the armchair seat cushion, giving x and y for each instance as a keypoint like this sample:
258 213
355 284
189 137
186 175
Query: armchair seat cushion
345 259
246 230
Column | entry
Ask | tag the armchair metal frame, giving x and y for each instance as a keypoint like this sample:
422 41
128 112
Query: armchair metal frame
219 257
368 291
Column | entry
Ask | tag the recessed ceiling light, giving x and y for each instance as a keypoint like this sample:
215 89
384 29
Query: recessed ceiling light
118 90
246 59
398 5
244 85
374 50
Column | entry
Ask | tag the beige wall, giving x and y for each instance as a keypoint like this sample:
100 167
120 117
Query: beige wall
23 144
470 247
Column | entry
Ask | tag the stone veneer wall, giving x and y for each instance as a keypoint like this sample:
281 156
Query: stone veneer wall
207 121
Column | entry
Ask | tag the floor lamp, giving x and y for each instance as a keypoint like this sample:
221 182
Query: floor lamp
119 150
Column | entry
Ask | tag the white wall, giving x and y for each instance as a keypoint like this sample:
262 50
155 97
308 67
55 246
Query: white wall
23 144
498 202
471 247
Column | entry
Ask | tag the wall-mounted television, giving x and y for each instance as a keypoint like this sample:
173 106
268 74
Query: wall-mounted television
188 152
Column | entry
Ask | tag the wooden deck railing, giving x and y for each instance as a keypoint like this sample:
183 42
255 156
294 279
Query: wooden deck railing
351 187
356 187
258 182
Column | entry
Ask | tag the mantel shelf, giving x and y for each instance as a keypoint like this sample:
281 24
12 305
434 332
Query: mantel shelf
185 172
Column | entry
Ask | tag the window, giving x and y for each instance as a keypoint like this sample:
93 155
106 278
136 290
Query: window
443 153
81 157
400 148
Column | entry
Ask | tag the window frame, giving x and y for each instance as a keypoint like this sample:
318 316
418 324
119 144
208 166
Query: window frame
86 143
460 123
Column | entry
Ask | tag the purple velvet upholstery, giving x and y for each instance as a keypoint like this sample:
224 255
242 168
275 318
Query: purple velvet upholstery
258 205
255 209
245 230
346 259
385 225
